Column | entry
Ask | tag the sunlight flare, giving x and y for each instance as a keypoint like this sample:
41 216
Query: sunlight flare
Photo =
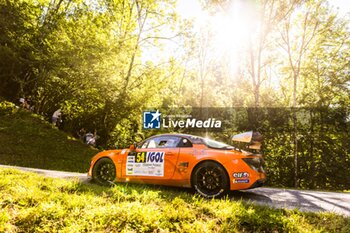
235 30
231 28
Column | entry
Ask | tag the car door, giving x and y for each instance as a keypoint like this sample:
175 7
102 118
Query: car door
154 159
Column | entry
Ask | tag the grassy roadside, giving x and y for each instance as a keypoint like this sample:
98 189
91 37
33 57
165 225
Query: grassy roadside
27 140
33 203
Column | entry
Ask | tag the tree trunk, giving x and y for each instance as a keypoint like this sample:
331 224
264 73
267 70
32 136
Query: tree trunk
295 133
311 156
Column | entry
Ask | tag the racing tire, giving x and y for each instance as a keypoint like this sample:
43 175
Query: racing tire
104 172
210 180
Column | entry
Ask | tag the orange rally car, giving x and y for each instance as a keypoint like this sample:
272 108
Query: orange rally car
182 160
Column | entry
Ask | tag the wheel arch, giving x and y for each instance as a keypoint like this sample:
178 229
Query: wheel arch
208 160
102 157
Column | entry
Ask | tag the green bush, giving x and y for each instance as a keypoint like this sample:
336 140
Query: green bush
7 108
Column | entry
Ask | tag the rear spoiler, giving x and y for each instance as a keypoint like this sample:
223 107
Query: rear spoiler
253 139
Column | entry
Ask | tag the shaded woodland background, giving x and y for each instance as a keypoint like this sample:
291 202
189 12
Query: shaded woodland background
94 59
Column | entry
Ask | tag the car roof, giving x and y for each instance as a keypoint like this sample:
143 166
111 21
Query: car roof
193 138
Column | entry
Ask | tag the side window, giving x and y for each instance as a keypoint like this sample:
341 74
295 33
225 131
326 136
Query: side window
184 142
168 142
152 144
161 142
144 144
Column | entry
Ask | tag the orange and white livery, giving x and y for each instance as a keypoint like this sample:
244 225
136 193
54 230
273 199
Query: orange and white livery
182 160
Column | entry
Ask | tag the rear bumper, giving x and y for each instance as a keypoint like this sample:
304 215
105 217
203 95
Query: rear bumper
257 183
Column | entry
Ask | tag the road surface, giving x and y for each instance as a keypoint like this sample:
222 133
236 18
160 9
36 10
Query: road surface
304 200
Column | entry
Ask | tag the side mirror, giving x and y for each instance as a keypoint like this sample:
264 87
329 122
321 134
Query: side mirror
133 146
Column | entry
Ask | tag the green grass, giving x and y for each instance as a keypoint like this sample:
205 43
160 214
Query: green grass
27 140
33 203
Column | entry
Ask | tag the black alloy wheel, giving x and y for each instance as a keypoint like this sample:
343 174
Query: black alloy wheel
104 172
210 180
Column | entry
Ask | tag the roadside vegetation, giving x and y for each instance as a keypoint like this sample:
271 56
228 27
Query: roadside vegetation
33 203
105 62
28 140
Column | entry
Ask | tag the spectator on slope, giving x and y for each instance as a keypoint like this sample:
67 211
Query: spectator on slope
90 138
56 117
29 103
81 134
21 101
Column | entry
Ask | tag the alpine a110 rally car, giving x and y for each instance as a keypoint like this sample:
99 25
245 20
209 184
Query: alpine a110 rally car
182 160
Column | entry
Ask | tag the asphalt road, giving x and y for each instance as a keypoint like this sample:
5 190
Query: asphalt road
304 200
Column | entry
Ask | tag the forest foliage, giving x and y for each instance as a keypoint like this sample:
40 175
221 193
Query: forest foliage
103 62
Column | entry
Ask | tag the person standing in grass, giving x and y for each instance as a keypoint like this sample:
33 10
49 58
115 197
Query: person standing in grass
90 138
21 102
24 103
56 117
81 134
29 104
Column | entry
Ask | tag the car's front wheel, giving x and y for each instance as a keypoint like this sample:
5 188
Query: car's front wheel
210 180
104 171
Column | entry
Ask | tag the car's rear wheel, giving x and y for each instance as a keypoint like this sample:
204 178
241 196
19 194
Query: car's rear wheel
104 172
210 180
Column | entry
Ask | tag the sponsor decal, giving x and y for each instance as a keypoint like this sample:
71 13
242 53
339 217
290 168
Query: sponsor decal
183 167
153 156
241 175
183 164
131 158
145 163
241 181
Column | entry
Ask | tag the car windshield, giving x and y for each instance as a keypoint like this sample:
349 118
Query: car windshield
216 145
